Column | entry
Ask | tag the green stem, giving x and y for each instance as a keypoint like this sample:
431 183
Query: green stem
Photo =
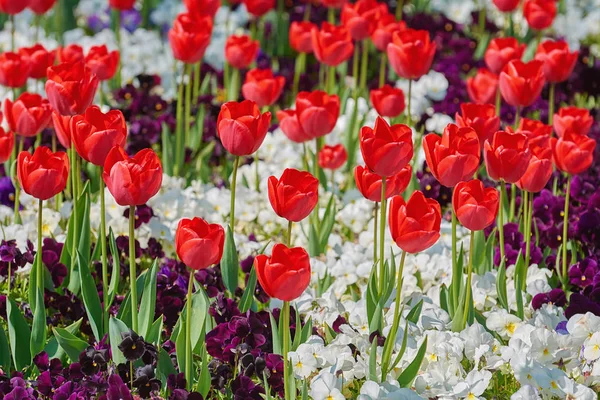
513 202
298 70
408 110
17 215
307 11
233 85
528 222
289 234
74 179
189 376
179 126
188 107
118 39
396 320
517 117
286 347
469 277
482 19
104 252
132 270
13 30
331 15
455 288
399 6
565 233
233 183
330 81
551 103
382 67
375 231
40 271
9 278
498 101
382 236
501 222
196 94
364 65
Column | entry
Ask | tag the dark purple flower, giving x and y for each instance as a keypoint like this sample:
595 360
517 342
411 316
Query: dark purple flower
555 296
117 390
583 273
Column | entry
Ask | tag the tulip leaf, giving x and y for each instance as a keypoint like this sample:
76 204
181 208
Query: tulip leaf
124 313
479 251
83 241
248 296
154 332
410 372
5 361
415 312
18 335
373 361
402 347
38 328
275 335
204 382
180 345
33 284
229 263
327 224
91 300
167 155
444 298
115 274
501 286
165 366
71 344
306 330
53 349
372 300
115 328
148 303
313 240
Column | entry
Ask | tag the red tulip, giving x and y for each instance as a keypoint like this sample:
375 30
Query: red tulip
483 86
386 149
203 7
572 119
453 157
241 127
332 157
481 117
190 36
385 28
40 60
286 274
258 8
360 18
317 112
506 156
332 44
501 51
13 7
62 128
301 36
475 207
70 53
7 143
415 225
521 83
369 183
535 131
291 127
539 13
132 180
294 195
44 174
262 87
573 153
28 115
506 5
14 69
102 62
334 3
388 101
95 133
539 171
71 87
199 244
241 51
558 61
41 7
411 53
121 5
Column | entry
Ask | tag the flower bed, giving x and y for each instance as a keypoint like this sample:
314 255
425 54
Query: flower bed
327 200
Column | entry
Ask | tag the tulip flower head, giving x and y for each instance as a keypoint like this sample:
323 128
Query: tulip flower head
71 87
41 7
291 127
241 127
481 117
386 149
411 53
384 31
361 18
483 86
522 83
7 143
258 8
262 87
453 157
190 36
332 157
132 181
29 115
388 101
578 121
95 133
415 225
558 61
506 156
369 183
62 128
199 244
539 13
317 112
203 7
40 60
301 36
501 51
332 44
506 5
539 170
475 207
102 62
573 153
294 195
15 68
44 174
241 51
284 275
